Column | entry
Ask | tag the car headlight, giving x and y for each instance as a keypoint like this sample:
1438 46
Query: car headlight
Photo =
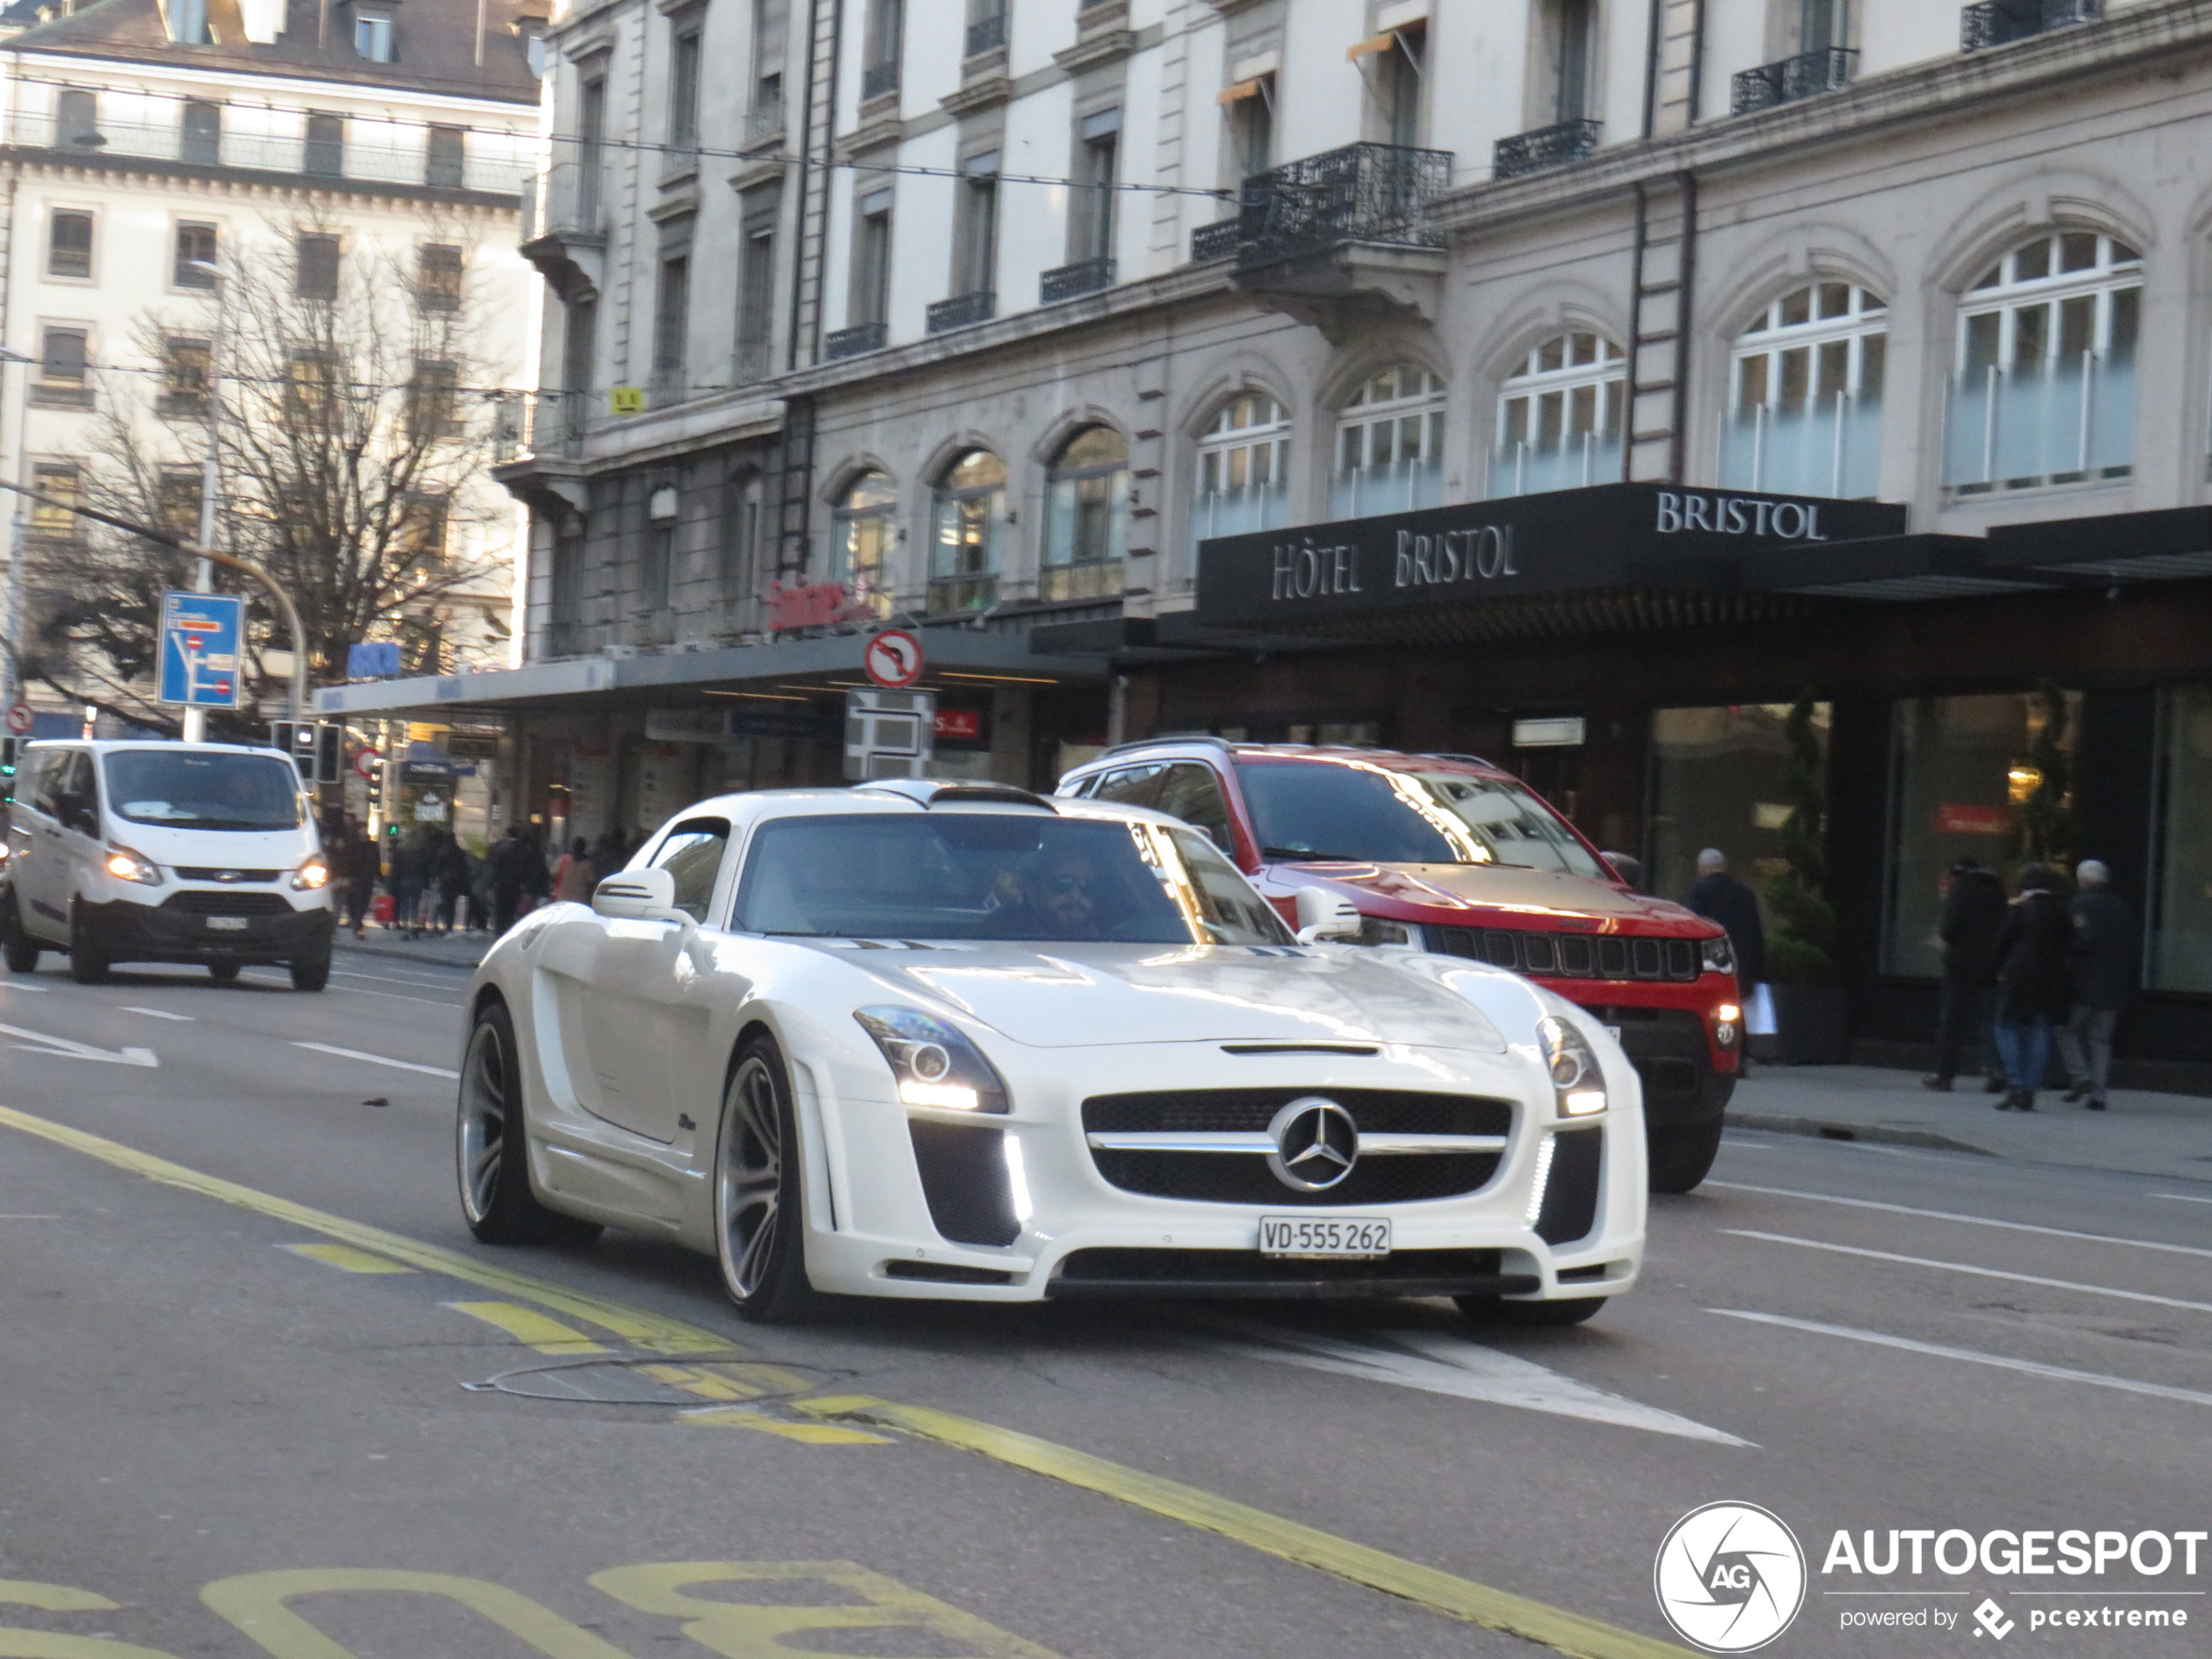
312 876
1720 956
934 1064
1578 1085
125 866
1373 930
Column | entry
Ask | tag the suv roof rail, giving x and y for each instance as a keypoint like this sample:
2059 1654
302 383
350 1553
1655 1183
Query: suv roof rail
937 791
1439 754
1205 738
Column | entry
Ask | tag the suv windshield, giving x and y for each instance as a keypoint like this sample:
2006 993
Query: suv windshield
1302 810
193 789
997 876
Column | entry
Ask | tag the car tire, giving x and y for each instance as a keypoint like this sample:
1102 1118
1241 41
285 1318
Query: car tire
88 962
1682 1155
759 1219
491 1147
1492 1310
223 973
309 973
23 951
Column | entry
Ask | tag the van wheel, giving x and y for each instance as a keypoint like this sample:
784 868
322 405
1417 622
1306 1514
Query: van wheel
1682 1156
23 950
222 972
88 962
309 973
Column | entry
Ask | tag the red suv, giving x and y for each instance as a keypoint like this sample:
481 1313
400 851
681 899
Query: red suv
1450 853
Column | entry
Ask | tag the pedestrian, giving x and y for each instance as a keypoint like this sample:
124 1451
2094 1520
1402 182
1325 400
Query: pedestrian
607 855
451 874
2034 984
1973 911
2104 977
513 869
410 867
576 876
1718 896
364 864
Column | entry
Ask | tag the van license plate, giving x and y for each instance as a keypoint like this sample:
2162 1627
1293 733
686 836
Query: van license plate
228 924
1323 1236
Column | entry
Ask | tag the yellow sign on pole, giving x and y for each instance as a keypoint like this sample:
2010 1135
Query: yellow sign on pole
627 400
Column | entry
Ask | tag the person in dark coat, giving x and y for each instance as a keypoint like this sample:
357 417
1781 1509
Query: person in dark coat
513 868
364 864
2105 955
1973 912
1718 896
2034 984
449 870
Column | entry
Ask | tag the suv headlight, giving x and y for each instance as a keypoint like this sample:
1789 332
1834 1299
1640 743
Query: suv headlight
1720 956
934 1064
1578 1085
312 876
125 866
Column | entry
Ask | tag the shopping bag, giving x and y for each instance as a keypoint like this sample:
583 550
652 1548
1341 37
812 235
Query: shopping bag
381 909
1758 1011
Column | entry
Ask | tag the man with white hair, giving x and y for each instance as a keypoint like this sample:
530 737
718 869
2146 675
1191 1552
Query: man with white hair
2104 976
1720 897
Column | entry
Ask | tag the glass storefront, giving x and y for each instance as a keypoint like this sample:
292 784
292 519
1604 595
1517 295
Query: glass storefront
1717 781
1966 768
2181 940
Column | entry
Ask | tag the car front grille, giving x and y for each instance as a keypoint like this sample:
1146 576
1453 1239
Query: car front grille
1668 1049
1541 954
1570 1208
203 903
964 1178
211 872
1246 1272
1244 1177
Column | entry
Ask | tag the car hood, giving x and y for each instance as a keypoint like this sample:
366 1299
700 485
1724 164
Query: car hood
1446 891
1069 996
282 849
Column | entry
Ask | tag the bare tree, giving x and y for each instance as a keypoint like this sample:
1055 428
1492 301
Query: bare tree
353 421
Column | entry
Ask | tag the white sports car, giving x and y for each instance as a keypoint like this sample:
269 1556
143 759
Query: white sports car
959 1041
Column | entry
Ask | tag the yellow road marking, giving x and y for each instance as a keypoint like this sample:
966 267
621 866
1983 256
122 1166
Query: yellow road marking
529 1326
1568 1633
346 1259
719 1381
645 1330
804 1434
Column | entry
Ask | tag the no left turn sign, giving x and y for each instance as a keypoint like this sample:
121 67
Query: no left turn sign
893 659
19 718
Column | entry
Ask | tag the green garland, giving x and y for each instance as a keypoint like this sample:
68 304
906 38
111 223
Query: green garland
1798 952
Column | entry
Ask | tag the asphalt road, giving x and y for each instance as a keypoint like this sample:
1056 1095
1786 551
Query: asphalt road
252 1417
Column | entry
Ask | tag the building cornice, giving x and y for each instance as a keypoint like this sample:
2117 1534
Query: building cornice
77 164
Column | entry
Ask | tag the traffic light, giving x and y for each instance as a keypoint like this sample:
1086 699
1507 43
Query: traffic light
330 752
317 748
10 752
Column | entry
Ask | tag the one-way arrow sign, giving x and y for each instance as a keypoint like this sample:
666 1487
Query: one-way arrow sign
64 1048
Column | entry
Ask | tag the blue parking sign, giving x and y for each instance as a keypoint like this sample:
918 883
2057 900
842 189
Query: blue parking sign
202 662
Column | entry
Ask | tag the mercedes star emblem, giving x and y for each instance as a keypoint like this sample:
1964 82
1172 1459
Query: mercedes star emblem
1316 1143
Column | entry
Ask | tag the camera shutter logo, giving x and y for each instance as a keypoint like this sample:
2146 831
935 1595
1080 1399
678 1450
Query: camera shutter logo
1729 1577
1991 1618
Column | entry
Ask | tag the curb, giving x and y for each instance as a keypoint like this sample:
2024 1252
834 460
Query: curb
1830 1130
406 953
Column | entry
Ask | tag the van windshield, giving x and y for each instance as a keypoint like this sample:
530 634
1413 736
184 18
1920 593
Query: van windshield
192 789
1380 815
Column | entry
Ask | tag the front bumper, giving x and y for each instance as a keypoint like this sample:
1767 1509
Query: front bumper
170 932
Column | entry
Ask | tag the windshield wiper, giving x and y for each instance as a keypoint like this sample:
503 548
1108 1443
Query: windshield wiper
1298 856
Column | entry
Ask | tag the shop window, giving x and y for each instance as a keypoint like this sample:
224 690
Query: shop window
966 527
1804 413
1086 531
2181 936
1244 465
1717 781
1559 416
2043 384
1965 769
861 534
1390 445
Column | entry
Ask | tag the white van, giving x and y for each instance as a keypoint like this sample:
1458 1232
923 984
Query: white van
164 852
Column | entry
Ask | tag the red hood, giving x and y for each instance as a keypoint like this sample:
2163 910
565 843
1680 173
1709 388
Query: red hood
1469 894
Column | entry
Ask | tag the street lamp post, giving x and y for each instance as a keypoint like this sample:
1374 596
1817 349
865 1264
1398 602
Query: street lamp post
11 679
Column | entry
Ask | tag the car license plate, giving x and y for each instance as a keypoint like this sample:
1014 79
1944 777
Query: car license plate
1323 1236
228 924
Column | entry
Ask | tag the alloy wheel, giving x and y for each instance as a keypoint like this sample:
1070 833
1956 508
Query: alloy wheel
483 1120
749 1176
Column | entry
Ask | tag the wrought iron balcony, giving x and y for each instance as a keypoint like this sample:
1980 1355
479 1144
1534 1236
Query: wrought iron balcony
765 122
1214 241
567 201
1545 147
961 311
877 79
855 342
1085 276
1807 75
986 34
1998 23
1364 192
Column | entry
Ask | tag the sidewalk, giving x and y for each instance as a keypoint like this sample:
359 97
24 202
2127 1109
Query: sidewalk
444 950
2142 1133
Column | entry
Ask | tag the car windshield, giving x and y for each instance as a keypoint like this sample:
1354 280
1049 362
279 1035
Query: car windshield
997 876
1379 815
194 789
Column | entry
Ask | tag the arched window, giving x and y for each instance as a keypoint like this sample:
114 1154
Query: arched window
1560 416
2043 382
1390 445
861 534
1244 461
964 533
1804 414
1086 517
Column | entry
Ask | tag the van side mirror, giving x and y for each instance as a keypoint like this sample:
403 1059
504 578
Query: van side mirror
638 895
1322 916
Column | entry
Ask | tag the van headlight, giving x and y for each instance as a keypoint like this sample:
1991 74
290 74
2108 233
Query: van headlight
1578 1085
311 876
934 1064
127 865
1719 955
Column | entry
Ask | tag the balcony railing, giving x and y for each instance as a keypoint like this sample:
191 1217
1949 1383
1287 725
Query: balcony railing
1090 579
855 342
1832 448
269 153
765 122
1807 75
1545 147
986 34
567 200
1997 23
955 593
1525 468
1397 486
877 79
1085 276
1214 241
963 311
1364 192
2064 421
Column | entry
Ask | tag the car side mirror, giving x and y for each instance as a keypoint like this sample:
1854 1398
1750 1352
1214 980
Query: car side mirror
638 895
1322 916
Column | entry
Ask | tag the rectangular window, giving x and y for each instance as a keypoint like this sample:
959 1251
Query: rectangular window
69 243
176 505
1577 40
1098 138
314 390
422 529
62 357
770 23
872 260
886 33
1251 147
324 153
316 277
188 22
671 320
684 91
438 277
757 294
976 233
1394 85
373 38
186 365
200 134
77 115
431 396
196 265
59 479
2181 930
445 161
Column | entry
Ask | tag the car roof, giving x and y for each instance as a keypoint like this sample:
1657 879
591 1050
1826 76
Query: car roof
759 806
1340 754
111 745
